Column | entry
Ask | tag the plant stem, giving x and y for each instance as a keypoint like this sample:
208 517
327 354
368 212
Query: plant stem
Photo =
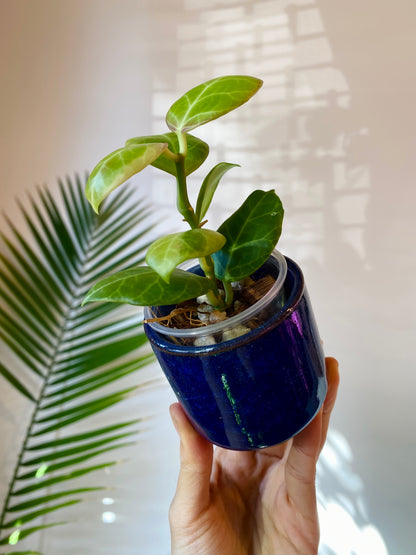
185 208
171 155
229 293
183 144
182 199
214 296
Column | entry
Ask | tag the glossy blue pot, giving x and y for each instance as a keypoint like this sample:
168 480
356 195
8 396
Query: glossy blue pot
260 388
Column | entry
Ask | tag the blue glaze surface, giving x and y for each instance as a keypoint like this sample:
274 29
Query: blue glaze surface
259 389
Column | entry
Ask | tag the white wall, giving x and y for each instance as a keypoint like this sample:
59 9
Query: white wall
332 130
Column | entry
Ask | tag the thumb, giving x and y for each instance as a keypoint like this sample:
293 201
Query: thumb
196 455
307 444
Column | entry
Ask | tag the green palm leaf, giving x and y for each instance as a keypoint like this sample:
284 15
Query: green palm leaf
20 534
36 514
74 354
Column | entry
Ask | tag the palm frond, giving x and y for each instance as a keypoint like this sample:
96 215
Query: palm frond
74 355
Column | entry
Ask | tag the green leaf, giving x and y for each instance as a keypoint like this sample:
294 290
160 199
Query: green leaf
144 287
48 250
15 382
59 479
208 188
40 278
44 468
17 348
86 407
210 100
23 251
85 339
36 514
81 437
166 253
117 167
23 553
85 368
19 535
30 342
21 304
252 233
43 329
197 151
70 452
43 499
80 415
93 383
109 352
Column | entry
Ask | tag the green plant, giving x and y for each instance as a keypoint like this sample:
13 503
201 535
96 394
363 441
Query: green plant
64 359
233 252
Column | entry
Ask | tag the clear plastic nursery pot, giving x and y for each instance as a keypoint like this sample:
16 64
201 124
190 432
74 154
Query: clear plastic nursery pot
257 389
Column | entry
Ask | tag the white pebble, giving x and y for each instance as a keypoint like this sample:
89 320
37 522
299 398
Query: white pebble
203 317
204 341
232 333
217 316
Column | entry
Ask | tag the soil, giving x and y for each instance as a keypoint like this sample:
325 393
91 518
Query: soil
193 314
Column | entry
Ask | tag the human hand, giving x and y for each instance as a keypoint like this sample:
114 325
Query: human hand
249 502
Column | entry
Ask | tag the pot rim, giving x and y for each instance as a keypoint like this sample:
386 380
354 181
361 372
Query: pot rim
238 319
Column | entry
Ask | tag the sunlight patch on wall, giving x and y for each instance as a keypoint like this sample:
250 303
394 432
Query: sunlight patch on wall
345 525
309 22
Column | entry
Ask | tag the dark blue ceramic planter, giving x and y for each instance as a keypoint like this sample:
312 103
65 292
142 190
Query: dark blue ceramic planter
259 389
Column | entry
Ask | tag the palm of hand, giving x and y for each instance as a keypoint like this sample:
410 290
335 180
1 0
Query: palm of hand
250 510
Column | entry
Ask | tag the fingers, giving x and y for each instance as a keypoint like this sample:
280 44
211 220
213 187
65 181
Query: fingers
196 454
332 376
302 458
